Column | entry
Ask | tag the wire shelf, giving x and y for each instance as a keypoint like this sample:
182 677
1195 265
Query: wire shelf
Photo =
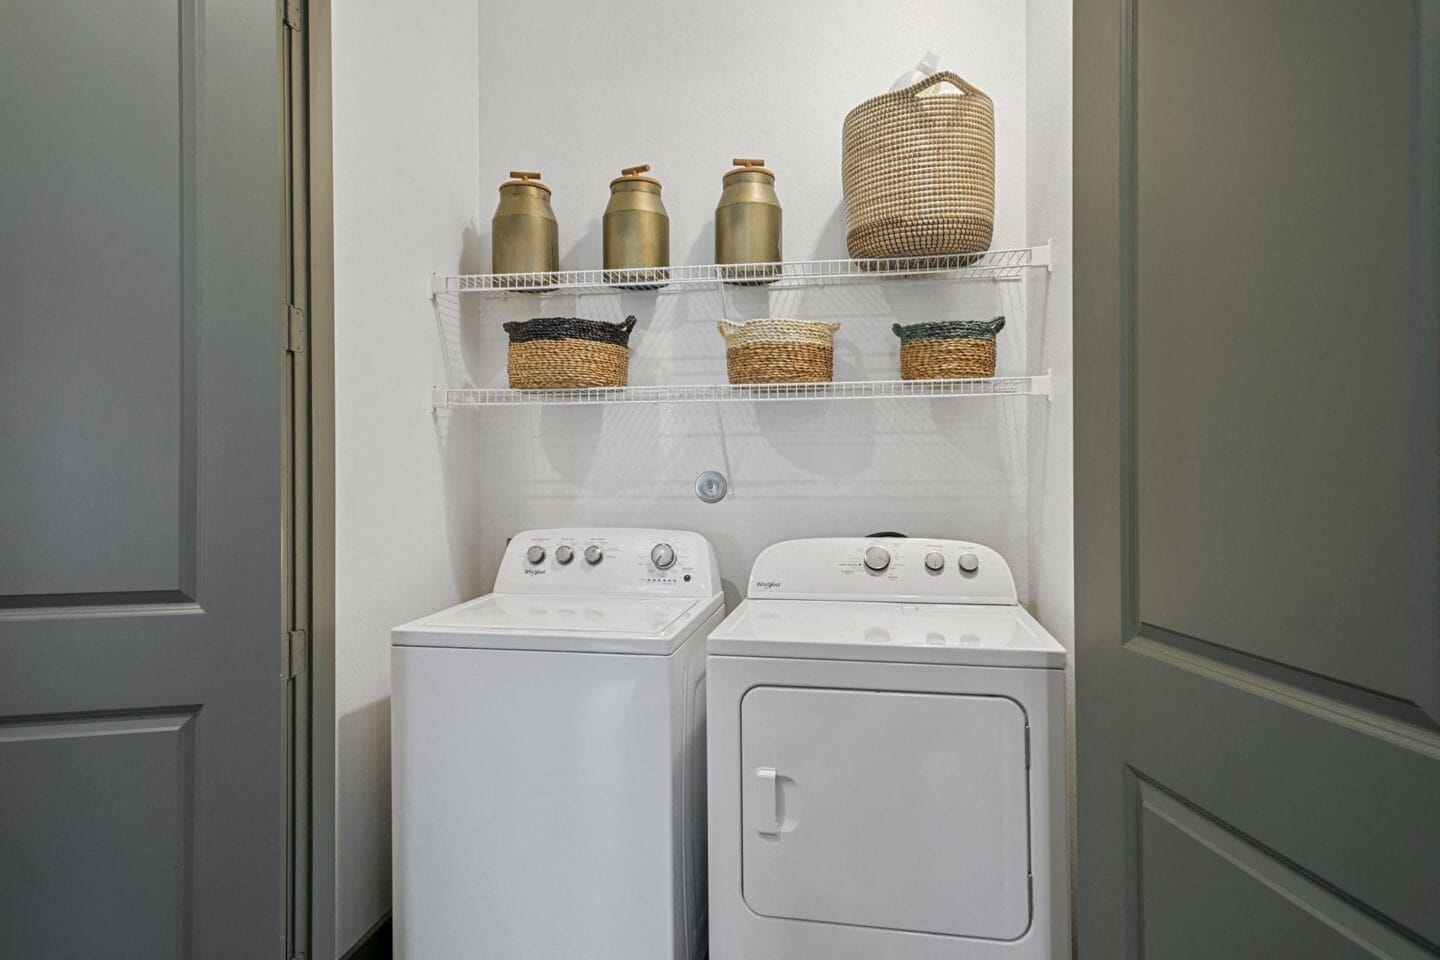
992 265
1037 386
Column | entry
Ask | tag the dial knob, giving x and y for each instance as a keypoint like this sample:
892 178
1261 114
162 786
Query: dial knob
877 559
968 562
663 556
564 554
934 562
535 554
594 554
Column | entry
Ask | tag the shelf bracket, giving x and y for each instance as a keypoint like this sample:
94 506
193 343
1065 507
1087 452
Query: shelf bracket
1040 256
1041 386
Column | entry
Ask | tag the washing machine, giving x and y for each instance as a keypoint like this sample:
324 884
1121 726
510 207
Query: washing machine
548 755
886 760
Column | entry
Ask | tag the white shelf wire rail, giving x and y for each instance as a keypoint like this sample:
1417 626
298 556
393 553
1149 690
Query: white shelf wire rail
991 265
1037 386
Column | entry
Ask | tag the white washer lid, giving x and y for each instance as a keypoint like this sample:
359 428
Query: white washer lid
938 633
499 621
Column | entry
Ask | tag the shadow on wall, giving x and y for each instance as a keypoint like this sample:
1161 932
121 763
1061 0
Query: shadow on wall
362 749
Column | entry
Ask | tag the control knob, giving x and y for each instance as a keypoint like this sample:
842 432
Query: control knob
535 554
564 554
968 562
663 556
877 559
934 561
594 554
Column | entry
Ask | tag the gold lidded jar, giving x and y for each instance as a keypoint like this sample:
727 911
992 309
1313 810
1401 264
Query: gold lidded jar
525 237
748 224
637 230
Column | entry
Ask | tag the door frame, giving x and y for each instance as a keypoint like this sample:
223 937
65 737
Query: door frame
309 523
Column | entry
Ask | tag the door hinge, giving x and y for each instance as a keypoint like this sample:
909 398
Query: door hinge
292 655
294 329
292 14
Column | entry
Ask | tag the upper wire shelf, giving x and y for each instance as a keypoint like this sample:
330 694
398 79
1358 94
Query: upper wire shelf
991 265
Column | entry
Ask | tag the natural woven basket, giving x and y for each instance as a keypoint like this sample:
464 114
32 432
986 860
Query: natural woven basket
774 350
550 353
948 349
919 172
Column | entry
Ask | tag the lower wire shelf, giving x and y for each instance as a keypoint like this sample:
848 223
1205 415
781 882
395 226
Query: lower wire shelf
455 397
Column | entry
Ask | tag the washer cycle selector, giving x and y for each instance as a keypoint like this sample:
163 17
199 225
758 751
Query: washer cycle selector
535 554
594 554
934 562
564 554
968 562
877 559
663 556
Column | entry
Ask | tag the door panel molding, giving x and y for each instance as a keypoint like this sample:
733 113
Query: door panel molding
1240 873
1321 784
122 323
1329 709
1331 697
115 791
1410 679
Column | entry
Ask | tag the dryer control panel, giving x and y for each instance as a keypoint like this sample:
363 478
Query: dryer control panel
609 561
882 568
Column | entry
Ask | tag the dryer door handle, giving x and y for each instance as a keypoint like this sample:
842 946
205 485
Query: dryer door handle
767 802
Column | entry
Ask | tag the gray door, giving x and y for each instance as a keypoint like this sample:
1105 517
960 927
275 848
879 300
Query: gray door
1256 361
141 783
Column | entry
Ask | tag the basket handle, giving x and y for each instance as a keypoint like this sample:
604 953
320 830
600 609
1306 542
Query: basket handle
728 328
944 76
996 324
628 324
510 326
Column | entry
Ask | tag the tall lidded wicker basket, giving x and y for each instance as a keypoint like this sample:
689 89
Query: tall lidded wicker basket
919 172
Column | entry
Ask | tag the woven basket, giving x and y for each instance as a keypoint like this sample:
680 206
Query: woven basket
778 351
550 353
919 172
948 349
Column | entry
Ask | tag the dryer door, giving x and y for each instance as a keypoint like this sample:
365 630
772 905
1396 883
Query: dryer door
901 811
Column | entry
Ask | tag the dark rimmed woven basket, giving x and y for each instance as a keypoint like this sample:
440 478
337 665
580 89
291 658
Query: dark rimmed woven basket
948 349
556 353
919 172
776 350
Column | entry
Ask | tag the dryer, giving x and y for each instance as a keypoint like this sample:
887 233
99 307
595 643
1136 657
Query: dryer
886 760
548 754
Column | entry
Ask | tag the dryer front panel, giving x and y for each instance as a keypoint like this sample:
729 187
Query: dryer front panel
898 811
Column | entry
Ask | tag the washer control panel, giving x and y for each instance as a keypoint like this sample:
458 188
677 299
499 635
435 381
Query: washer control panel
882 568
618 561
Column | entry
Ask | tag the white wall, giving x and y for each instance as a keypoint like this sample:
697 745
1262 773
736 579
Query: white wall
431 113
1049 196
405 165
578 91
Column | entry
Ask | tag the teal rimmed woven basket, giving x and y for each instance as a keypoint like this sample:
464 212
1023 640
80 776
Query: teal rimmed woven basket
948 349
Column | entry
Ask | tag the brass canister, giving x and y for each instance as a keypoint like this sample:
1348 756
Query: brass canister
525 237
747 223
637 230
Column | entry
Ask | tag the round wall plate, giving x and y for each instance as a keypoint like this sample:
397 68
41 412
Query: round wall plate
711 486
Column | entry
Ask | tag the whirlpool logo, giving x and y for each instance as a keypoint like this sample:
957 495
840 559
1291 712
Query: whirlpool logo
767 584
531 572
